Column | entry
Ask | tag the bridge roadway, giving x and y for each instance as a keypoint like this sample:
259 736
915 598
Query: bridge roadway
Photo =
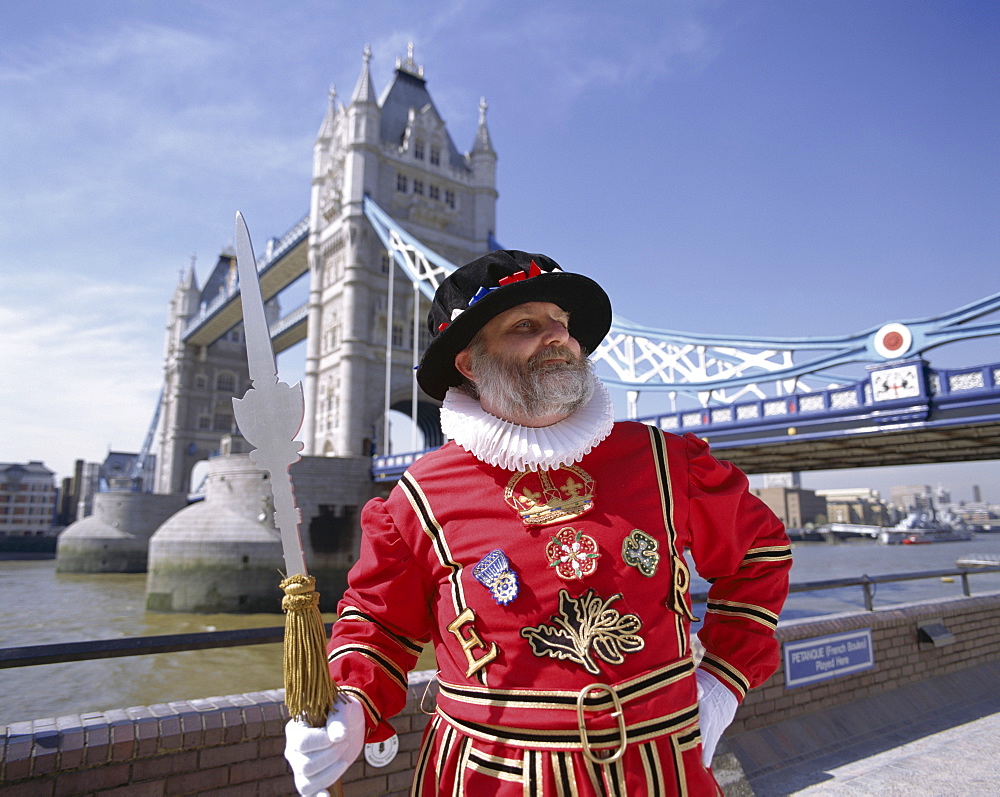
869 448
284 261
837 428
955 418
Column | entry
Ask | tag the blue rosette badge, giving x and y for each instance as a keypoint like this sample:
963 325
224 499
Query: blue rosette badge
494 573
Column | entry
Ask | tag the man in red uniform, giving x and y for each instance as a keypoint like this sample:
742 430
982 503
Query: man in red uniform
542 551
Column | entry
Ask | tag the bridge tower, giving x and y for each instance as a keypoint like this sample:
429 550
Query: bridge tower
199 381
395 148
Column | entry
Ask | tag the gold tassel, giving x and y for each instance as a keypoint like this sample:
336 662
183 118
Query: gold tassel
309 690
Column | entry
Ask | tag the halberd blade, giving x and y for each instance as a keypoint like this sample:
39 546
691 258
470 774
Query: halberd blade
270 413
260 354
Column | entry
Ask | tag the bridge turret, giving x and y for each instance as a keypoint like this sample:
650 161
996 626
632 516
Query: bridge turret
324 155
326 129
363 121
188 293
184 305
328 165
364 91
484 177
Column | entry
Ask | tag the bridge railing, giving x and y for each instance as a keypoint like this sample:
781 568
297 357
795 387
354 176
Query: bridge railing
868 582
31 655
824 404
296 316
389 467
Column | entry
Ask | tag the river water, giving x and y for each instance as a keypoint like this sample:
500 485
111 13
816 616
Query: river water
43 607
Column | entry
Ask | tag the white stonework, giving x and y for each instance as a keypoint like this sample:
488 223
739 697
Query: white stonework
396 148
199 381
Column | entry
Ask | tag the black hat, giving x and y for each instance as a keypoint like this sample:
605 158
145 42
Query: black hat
477 292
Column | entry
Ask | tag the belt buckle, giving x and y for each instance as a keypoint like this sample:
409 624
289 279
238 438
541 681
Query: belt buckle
581 724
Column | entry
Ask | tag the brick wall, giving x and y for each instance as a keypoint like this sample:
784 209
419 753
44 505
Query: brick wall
899 658
217 746
233 745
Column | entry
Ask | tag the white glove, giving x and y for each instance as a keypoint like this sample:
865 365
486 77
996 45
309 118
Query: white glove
319 756
717 707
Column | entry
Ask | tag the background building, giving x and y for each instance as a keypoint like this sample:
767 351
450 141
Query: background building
28 498
909 498
794 506
69 495
978 513
791 479
856 505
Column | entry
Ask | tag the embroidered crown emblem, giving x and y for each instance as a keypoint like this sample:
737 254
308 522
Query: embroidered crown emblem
543 497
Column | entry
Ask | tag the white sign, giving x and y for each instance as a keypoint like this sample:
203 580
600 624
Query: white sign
379 754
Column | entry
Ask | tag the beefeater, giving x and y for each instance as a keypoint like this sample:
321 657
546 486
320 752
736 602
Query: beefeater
542 551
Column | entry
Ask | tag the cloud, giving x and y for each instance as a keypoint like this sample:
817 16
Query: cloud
104 49
85 179
82 365
121 135
599 49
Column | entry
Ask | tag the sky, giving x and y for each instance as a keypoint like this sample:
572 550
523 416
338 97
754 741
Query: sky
758 167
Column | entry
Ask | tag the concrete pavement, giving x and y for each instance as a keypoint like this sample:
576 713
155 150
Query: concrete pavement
937 737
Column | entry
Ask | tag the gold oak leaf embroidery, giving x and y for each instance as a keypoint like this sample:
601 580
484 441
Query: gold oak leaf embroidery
585 626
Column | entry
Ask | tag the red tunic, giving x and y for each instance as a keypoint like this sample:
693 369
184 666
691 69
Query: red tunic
558 606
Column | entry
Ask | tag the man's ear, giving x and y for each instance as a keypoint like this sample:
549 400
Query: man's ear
463 364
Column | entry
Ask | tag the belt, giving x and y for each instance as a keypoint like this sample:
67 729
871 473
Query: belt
593 718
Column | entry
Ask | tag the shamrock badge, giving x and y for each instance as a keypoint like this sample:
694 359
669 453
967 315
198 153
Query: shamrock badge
639 551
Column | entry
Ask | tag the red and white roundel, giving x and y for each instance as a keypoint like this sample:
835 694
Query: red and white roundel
893 340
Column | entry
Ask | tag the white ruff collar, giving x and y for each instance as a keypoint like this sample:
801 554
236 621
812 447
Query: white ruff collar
512 447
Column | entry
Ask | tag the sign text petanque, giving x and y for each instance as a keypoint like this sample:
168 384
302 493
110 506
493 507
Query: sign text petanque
821 658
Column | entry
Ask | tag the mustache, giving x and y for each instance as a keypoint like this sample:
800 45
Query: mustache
551 353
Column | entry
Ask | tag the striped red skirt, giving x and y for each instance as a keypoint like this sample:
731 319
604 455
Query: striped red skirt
453 761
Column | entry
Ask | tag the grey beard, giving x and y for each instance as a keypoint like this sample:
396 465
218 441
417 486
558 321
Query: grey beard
531 390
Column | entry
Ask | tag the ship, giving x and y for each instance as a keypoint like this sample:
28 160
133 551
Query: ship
917 528
921 528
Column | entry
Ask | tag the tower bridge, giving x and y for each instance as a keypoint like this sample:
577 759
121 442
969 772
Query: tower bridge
395 206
